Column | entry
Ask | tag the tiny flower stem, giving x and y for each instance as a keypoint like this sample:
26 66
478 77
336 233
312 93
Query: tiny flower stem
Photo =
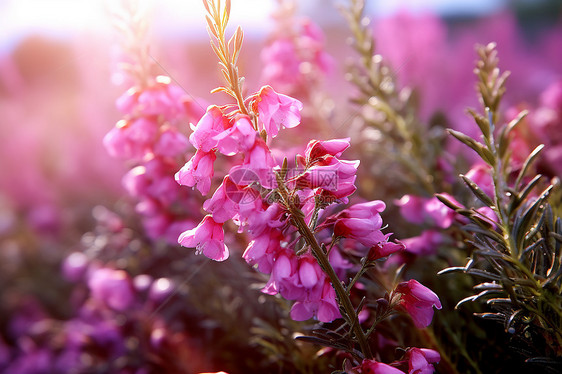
228 60
350 314
358 275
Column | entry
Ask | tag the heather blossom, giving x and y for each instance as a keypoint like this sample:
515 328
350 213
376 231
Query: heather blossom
418 301
113 287
374 367
208 238
421 360
198 171
295 59
289 214
276 111
248 179
149 136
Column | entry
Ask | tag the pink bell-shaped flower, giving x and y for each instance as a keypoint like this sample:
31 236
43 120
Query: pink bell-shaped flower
418 301
207 238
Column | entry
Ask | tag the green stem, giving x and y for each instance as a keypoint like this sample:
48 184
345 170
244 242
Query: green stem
350 315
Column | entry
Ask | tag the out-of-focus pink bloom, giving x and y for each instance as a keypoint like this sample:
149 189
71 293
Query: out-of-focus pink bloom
160 290
198 171
405 48
281 64
546 124
160 98
171 143
412 208
374 367
418 301
142 282
74 266
316 149
276 111
480 174
239 138
425 244
112 287
296 61
489 213
131 138
207 238
210 125
441 215
421 360
552 96
136 181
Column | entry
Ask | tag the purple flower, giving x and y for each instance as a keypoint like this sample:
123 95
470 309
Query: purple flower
171 143
239 138
317 149
425 244
319 301
210 125
361 222
480 174
221 205
207 238
441 215
276 110
160 290
198 171
131 139
412 208
374 367
418 301
384 249
74 266
112 287
421 360
334 176
260 161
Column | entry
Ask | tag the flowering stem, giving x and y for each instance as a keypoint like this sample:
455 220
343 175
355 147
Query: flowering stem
350 314
217 23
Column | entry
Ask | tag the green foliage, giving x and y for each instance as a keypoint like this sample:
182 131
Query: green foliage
518 257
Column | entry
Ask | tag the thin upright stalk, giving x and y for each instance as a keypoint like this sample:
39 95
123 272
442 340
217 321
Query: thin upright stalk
350 314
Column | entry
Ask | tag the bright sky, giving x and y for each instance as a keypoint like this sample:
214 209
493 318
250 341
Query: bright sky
64 18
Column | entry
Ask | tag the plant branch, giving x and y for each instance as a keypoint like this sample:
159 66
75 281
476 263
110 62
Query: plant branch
350 314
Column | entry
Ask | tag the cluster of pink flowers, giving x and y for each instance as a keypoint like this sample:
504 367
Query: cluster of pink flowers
437 216
249 196
429 211
150 137
546 125
418 360
295 59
